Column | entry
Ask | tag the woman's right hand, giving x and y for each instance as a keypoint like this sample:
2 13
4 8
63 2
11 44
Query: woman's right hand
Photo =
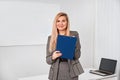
56 54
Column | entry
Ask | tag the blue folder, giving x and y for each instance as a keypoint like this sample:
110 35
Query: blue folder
66 45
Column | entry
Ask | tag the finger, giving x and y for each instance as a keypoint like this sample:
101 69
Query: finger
57 51
59 54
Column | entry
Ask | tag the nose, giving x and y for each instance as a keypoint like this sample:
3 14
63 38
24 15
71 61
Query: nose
61 22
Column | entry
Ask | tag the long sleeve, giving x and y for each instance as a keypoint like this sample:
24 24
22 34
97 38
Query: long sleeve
78 47
48 53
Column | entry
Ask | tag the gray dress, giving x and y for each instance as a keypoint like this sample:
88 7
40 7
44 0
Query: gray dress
69 70
63 72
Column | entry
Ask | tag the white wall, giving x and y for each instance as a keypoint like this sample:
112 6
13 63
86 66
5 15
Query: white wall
29 60
27 22
107 31
21 61
82 19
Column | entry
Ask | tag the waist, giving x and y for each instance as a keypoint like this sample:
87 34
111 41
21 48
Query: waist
63 60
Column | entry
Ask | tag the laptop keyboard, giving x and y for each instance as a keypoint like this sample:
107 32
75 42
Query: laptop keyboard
98 72
102 74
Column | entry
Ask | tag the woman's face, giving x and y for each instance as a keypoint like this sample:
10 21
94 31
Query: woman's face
61 23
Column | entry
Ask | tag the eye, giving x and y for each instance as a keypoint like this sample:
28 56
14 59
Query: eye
63 20
58 20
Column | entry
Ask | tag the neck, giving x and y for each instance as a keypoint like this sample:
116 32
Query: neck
62 32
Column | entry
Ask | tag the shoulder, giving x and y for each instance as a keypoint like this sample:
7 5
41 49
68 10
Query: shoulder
49 37
74 33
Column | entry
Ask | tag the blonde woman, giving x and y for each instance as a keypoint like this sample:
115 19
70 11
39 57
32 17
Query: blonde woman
62 69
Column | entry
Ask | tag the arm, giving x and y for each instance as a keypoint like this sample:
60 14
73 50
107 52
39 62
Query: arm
48 54
78 47
51 56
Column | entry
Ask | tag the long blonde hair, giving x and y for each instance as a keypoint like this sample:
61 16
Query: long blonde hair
54 33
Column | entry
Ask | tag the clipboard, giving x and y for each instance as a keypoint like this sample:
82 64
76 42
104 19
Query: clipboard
66 45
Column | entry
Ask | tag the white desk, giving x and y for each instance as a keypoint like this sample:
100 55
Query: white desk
89 76
85 76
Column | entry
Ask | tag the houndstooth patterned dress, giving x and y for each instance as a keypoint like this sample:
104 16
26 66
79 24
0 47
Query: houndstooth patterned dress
63 73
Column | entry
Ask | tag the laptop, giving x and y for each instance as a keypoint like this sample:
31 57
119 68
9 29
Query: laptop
107 67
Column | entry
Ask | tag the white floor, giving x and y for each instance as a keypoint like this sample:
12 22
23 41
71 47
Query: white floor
39 77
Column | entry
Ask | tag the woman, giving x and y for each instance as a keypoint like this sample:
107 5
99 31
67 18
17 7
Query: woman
62 69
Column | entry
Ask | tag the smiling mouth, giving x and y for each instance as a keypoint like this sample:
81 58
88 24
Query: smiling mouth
61 26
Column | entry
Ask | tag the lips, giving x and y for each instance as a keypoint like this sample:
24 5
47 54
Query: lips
61 26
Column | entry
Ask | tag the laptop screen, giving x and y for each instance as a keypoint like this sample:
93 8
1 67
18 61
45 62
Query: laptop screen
108 65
